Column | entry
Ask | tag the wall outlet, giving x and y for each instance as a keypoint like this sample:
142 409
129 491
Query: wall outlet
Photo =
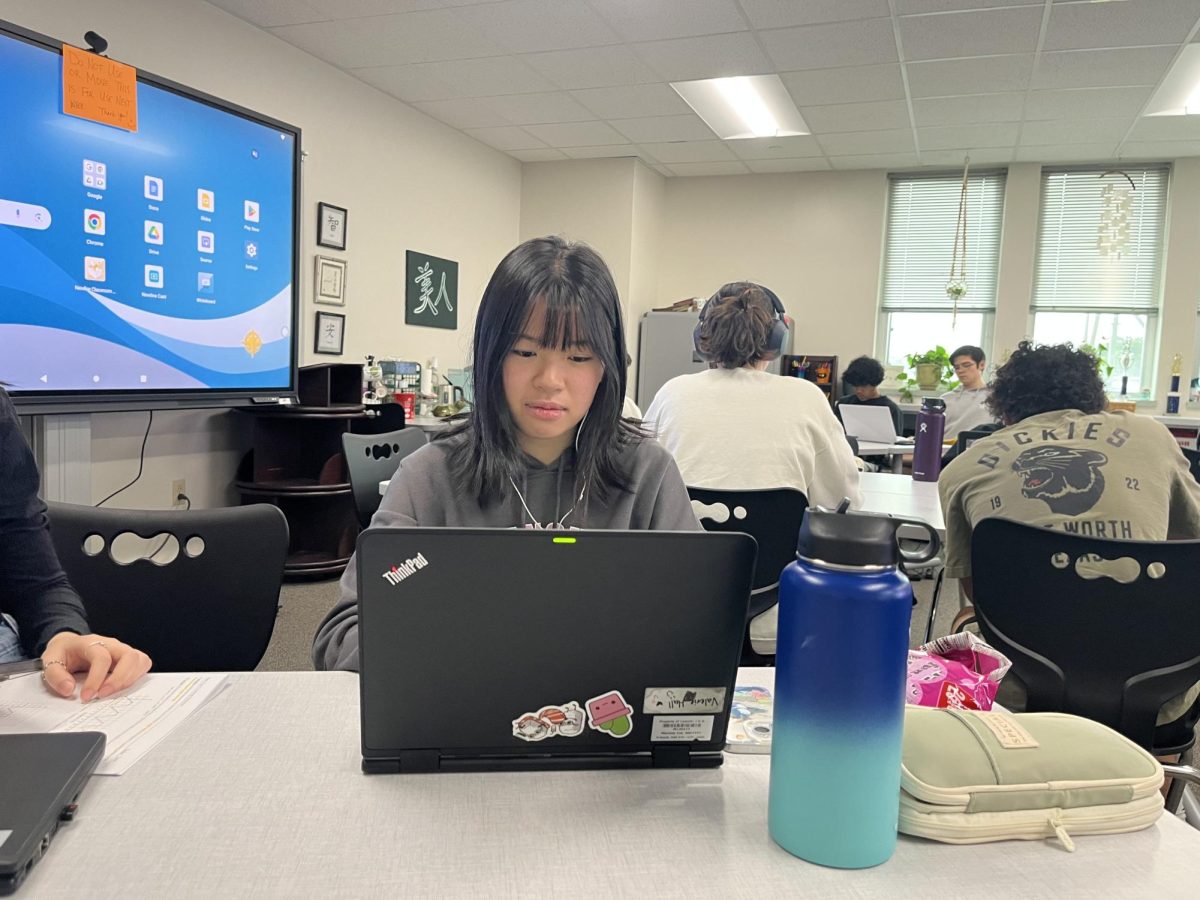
178 486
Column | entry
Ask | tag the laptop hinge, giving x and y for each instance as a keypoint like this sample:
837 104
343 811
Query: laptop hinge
674 756
420 760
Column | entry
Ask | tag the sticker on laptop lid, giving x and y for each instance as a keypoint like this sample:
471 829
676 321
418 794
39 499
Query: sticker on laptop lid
660 700
681 728
564 720
611 714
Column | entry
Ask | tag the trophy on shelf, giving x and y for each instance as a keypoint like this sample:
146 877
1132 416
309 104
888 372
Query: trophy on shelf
1126 361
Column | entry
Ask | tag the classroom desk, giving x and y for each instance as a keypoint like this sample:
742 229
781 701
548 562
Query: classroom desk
900 495
260 795
894 452
428 424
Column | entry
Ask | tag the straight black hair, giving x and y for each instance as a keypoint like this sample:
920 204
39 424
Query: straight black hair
582 307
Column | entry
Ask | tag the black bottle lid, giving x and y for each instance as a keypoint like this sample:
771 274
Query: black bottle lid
933 404
858 538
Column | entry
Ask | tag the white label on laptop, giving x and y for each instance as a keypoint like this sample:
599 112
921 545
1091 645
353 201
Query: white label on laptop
683 700
681 728
4 835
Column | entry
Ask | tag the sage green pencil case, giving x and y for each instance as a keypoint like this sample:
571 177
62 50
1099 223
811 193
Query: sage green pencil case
969 777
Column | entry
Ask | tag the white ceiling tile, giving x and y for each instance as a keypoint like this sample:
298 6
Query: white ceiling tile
855 84
911 7
268 13
873 116
456 79
979 108
506 137
767 166
984 75
692 151
1066 153
1159 149
980 156
1118 101
546 155
592 67
601 152
1074 131
875 161
655 129
538 109
530 26
1101 68
633 100
783 13
978 33
838 44
1166 128
792 147
964 137
709 168
1134 23
388 40
576 134
468 113
637 20
867 142
715 56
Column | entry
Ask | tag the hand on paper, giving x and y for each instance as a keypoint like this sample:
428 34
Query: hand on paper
110 664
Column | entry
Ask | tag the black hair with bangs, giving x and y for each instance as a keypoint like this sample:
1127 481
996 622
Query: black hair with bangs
582 308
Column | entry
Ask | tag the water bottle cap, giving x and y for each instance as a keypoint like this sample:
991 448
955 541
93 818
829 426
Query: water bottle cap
933 404
848 539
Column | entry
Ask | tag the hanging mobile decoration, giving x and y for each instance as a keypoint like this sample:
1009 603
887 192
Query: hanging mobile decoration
1116 202
956 286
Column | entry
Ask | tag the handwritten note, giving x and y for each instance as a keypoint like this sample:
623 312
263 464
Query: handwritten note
99 89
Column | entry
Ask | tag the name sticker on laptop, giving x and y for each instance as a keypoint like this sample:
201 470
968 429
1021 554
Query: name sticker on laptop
682 728
659 700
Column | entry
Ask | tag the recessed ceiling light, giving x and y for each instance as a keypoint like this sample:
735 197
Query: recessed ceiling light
1179 93
745 106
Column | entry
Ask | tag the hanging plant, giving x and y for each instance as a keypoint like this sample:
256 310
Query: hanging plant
956 287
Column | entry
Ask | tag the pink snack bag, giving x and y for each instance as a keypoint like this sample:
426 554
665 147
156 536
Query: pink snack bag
958 671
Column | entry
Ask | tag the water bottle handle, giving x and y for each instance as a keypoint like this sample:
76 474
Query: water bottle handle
931 549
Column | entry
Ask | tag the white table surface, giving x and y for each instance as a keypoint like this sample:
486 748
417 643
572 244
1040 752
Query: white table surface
902 496
260 795
428 423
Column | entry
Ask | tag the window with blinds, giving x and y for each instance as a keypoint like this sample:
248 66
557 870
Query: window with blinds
1100 241
922 214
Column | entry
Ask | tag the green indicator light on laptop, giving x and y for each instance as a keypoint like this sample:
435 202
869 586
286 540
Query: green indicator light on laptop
563 540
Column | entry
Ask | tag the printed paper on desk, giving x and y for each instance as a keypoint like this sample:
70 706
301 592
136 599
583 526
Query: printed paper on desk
134 720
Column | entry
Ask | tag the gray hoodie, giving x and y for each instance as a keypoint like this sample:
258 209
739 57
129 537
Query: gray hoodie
423 492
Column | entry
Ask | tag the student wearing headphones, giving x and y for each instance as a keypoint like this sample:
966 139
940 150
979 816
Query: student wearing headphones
736 426
544 445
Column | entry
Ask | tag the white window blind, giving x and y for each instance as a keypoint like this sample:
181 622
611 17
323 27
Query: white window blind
922 213
1071 273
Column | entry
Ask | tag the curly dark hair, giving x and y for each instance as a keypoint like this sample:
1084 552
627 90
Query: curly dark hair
863 372
1045 378
737 325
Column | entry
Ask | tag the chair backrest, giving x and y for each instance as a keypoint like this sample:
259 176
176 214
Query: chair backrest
1193 458
205 602
772 517
1083 643
372 458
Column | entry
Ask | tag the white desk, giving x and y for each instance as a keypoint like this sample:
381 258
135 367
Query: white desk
428 424
900 495
894 452
260 795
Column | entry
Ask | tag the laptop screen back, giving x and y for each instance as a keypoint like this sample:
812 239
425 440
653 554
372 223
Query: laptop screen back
868 423
500 643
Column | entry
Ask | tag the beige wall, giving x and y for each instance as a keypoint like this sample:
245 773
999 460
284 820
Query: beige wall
408 182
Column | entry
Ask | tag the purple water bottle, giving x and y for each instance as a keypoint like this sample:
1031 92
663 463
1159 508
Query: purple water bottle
927 450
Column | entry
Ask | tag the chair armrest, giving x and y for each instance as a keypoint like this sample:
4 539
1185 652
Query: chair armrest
1181 776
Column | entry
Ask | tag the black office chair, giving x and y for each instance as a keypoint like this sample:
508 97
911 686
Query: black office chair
967 438
203 599
1087 644
772 517
1193 458
372 458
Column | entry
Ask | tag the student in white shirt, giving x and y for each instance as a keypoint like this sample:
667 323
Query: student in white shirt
736 426
966 405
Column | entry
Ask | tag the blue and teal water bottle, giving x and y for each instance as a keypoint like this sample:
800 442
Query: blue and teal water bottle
841 653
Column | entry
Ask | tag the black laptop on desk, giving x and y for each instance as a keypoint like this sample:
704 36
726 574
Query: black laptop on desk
521 649
41 776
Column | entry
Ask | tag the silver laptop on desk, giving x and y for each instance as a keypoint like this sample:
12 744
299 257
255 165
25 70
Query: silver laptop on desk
869 423
520 649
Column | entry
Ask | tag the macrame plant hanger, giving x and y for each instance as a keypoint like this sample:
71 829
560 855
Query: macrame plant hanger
956 285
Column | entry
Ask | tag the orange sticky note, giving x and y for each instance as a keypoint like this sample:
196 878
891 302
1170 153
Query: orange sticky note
99 89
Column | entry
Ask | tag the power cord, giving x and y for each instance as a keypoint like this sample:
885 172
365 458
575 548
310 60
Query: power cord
186 499
141 463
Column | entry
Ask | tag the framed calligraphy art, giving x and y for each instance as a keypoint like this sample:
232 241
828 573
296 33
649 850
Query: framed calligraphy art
331 226
330 333
329 281
431 291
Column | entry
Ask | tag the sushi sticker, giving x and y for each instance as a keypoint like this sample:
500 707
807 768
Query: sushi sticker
565 720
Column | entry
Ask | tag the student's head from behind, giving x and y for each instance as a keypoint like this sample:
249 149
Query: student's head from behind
864 375
969 362
738 327
549 363
1045 378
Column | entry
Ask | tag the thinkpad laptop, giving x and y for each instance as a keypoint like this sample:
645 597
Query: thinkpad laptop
41 776
521 649
868 423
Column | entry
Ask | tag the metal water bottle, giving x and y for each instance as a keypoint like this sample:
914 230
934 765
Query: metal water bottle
927 448
841 654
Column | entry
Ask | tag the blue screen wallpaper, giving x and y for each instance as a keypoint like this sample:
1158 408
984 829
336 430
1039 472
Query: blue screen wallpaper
153 260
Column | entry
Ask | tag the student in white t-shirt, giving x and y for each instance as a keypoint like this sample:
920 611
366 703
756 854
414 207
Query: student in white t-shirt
735 426
966 405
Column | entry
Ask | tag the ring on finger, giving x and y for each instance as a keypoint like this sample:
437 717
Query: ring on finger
97 644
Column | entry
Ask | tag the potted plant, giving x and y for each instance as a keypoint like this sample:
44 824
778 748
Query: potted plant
932 369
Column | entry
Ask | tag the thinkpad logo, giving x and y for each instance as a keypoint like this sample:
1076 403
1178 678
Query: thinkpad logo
397 574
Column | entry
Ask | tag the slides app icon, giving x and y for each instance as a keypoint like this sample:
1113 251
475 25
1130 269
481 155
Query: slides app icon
93 221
